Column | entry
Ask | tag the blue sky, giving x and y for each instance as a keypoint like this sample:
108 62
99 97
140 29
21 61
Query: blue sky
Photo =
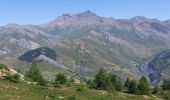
40 11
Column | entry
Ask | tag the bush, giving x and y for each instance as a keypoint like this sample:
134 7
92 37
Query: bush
166 85
110 89
50 96
57 84
166 97
90 83
60 79
156 90
81 88
72 97
13 78
42 82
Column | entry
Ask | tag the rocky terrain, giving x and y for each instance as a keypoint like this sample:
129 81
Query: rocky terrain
88 41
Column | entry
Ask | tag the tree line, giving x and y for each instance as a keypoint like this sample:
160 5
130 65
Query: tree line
102 81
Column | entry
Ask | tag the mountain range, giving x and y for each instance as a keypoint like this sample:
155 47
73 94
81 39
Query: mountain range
125 47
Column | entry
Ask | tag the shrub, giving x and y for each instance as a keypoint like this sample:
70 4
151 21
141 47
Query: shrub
72 97
60 79
90 83
166 85
13 78
156 90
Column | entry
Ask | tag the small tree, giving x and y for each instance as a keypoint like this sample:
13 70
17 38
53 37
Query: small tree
90 83
102 81
143 86
113 78
116 82
35 74
127 83
60 79
118 86
133 87
166 85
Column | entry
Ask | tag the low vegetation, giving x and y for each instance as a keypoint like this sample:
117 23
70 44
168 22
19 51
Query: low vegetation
104 86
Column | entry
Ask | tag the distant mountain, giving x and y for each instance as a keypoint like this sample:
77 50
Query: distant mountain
91 41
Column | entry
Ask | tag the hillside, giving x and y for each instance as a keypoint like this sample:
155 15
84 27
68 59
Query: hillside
88 41
11 91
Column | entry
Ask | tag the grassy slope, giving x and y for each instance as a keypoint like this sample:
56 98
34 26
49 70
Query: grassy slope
11 91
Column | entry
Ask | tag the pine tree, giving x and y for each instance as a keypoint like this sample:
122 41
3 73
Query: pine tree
118 85
127 83
113 78
116 82
166 85
143 86
102 81
133 87
35 74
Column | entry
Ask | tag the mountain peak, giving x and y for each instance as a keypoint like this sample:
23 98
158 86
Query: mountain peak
138 18
12 24
87 14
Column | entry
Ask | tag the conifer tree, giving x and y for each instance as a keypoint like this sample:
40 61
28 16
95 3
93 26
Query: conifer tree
143 86
127 83
133 87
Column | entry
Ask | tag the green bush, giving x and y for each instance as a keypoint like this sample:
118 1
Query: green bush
90 83
72 97
81 88
13 78
60 79
166 85
156 90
